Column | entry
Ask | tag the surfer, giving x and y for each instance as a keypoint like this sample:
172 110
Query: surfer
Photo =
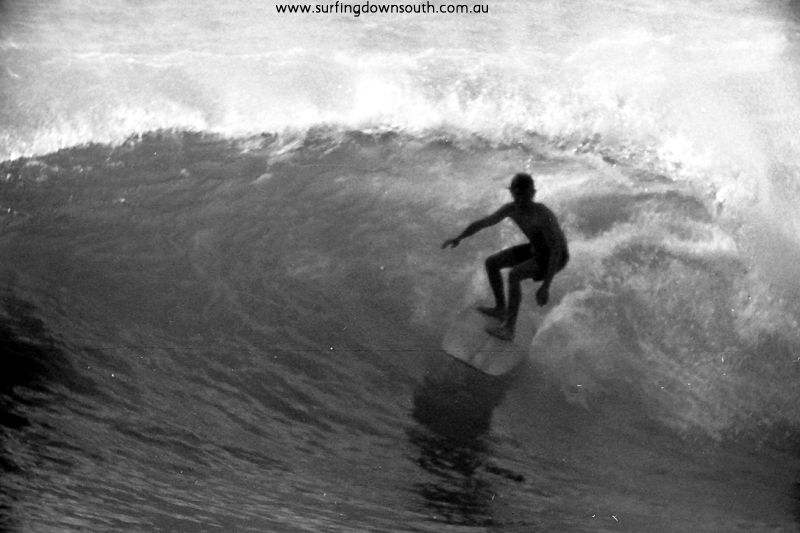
544 256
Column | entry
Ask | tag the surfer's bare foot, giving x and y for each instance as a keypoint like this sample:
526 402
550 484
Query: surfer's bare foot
494 312
501 332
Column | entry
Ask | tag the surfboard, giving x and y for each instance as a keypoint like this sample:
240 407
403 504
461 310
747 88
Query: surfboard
468 341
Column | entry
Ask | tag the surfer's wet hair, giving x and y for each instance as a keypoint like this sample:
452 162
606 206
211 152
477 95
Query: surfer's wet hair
522 182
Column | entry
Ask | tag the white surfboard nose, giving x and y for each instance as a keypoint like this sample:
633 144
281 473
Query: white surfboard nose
467 340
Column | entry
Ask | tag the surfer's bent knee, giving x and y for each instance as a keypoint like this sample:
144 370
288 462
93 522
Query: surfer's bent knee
493 262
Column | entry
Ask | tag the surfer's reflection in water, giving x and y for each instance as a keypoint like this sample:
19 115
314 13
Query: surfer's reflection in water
454 407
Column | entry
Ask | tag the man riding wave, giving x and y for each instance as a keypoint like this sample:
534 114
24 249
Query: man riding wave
540 259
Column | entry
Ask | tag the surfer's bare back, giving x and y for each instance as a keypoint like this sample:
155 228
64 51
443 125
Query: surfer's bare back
544 256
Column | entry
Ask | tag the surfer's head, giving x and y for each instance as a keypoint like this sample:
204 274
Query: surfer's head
522 186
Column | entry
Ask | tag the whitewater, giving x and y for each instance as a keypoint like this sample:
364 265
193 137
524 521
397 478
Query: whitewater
223 293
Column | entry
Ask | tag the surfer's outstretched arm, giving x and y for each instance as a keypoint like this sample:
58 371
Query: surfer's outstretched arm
478 225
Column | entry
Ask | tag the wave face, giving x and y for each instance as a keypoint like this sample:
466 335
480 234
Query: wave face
224 295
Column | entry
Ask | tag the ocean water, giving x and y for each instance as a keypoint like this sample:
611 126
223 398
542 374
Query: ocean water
223 293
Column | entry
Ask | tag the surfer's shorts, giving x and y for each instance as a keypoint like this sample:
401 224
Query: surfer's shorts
511 257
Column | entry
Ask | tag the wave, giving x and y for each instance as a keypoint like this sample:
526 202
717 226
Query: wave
661 309
221 264
633 87
350 158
